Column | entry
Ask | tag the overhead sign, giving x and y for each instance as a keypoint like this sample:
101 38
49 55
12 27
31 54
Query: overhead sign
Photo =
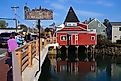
35 14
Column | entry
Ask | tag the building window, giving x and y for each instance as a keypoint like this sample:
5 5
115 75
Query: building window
119 28
71 24
76 37
115 36
120 37
63 37
92 37
103 30
68 24
99 25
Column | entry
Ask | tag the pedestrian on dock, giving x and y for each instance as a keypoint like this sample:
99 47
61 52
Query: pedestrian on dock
12 45
20 39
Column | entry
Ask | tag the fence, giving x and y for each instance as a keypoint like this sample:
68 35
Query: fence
24 55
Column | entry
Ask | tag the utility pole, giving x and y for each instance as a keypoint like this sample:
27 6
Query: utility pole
15 13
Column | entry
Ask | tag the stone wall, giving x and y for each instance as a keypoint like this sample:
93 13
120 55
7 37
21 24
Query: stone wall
108 51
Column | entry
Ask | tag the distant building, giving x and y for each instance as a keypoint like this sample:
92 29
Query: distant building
99 26
74 32
9 30
116 32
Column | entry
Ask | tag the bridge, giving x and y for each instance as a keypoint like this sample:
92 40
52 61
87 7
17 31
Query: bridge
26 60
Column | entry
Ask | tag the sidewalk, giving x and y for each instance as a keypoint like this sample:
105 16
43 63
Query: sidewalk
4 73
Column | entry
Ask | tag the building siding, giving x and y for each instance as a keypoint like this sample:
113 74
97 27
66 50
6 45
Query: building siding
85 39
116 34
95 25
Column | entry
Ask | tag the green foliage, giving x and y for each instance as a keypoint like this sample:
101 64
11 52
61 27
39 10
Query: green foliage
102 41
2 24
47 30
24 27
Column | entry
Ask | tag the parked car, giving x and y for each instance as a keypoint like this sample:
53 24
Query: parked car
4 38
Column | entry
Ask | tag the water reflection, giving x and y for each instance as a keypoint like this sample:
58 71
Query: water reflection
76 67
104 68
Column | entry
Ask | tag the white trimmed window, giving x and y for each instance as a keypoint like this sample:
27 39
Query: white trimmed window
63 37
120 37
119 28
92 37
76 37
99 25
115 36
71 24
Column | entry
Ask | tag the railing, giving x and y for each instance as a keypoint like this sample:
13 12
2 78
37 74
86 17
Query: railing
24 55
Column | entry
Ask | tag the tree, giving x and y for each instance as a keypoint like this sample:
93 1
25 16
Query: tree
24 27
47 29
108 29
3 24
102 41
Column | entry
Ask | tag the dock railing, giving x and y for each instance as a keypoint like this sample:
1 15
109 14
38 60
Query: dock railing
23 56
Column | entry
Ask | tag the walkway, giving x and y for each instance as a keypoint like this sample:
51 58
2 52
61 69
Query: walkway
25 62
5 73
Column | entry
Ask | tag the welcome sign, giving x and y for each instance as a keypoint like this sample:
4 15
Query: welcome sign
35 14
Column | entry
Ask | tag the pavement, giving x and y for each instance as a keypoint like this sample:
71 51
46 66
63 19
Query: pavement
2 52
5 72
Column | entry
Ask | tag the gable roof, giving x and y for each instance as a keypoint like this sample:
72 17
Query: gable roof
71 16
98 21
82 25
115 23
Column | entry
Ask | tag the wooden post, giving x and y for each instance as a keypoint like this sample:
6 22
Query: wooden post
66 53
45 43
54 39
30 55
42 40
93 47
41 45
77 59
20 60
37 48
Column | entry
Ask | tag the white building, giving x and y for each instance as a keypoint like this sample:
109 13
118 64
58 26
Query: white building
116 31
9 30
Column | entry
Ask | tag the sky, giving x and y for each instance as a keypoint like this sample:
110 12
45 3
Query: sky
84 9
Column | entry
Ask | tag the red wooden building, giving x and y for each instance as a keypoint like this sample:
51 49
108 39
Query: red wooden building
75 32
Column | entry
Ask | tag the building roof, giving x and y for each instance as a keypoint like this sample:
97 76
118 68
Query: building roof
71 16
115 23
95 19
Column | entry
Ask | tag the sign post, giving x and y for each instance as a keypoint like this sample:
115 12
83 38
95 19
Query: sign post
38 14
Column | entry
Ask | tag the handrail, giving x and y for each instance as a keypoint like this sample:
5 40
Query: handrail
24 55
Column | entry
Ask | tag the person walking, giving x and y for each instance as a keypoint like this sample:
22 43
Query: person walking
20 39
12 45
